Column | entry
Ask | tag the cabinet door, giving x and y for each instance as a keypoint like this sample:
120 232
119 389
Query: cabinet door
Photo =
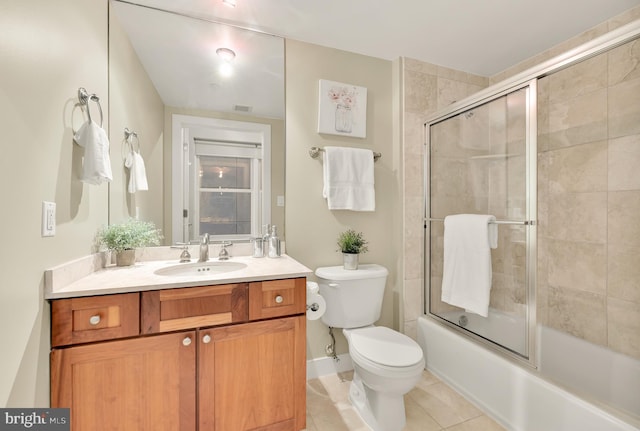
142 384
253 376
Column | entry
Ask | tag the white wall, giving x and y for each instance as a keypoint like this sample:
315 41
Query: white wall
312 229
47 50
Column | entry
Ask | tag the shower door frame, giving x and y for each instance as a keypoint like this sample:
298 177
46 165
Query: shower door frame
529 223
598 45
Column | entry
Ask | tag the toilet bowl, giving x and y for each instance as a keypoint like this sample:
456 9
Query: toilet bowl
387 364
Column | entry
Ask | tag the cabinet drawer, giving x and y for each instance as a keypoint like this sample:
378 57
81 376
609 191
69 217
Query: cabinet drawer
277 298
97 318
193 307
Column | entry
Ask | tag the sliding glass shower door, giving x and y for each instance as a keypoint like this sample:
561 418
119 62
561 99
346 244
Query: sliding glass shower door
481 159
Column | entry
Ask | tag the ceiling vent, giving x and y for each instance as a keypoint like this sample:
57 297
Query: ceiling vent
242 108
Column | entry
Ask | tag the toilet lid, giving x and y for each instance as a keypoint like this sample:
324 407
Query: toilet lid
386 346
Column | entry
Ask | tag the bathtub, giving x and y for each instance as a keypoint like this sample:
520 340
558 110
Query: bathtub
516 396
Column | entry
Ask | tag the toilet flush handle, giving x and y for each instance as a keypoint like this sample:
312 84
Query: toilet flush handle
334 285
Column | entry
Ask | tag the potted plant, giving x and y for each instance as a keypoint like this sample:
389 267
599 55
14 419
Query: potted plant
124 238
351 244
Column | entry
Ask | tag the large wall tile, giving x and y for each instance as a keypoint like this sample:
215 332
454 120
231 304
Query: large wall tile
578 216
624 160
624 218
578 80
623 273
624 109
577 112
624 326
420 92
579 313
578 265
624 63
581 168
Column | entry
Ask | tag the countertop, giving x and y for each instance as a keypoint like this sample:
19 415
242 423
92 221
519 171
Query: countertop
75 280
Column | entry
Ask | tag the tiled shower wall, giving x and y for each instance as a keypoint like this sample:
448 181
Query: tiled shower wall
427 88
589 203
589 200
477 163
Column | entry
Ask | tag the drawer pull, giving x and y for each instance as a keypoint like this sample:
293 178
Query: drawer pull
206 339
186 341
279 299
94 320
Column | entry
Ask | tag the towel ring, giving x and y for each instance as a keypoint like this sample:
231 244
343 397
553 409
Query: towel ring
84 98
129 146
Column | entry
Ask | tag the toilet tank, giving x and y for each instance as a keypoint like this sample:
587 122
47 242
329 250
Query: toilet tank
353 297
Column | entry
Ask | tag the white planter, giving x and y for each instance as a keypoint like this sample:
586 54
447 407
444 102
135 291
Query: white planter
350 260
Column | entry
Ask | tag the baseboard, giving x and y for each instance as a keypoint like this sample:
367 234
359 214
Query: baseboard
324 366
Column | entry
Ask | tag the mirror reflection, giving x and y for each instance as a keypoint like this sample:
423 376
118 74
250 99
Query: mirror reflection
205 99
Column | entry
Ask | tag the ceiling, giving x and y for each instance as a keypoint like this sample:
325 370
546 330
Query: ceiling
481 37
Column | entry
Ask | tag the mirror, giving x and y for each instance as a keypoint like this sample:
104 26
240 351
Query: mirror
164 65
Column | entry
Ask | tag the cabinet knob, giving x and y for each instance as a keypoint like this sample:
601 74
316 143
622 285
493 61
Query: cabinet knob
279 299
94 320
186 341
206 339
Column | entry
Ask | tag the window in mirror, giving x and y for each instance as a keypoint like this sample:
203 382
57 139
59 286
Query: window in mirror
229 192
220 176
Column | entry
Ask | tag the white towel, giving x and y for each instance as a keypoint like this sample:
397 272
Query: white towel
137 172
96 166
348 179
466 278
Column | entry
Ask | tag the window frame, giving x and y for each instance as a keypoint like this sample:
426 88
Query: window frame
186 130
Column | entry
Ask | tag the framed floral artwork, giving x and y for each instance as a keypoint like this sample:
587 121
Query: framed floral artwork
342 109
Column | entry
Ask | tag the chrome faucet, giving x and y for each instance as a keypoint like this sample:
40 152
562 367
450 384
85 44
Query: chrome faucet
204 248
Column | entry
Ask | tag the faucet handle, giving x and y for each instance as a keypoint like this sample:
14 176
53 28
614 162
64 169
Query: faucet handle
224 253
184 256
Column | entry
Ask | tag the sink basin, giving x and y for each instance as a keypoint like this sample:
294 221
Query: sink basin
200 268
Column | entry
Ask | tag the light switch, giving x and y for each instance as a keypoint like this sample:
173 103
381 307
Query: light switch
280 201
48 218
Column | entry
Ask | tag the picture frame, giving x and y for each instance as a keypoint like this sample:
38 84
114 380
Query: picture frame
342 109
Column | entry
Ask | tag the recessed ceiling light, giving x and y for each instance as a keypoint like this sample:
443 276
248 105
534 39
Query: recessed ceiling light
226 54
230 3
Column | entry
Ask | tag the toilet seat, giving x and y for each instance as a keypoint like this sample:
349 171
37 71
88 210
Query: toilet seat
385 351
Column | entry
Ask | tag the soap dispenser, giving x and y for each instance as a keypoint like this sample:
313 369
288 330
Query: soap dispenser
274 243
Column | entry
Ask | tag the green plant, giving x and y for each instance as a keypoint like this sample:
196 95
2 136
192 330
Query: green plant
351 241
129 235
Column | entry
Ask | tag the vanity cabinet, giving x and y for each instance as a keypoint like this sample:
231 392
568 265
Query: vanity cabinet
200 359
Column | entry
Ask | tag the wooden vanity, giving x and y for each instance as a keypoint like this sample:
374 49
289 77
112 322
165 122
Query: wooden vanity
222 357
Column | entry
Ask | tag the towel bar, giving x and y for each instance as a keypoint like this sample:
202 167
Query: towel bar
314 152
523 222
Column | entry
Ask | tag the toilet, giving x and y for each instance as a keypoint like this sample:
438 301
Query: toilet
386 363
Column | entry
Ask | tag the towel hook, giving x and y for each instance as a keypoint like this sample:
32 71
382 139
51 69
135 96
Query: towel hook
84 97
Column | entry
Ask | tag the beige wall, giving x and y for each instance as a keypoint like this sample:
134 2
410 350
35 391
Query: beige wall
134 104
311 228
47 50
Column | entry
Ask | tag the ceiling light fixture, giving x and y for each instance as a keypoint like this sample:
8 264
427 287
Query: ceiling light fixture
226 54
230 3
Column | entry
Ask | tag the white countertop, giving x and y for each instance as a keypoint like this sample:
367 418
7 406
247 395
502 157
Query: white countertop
141 276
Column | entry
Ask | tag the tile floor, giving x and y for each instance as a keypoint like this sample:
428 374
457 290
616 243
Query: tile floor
430 406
